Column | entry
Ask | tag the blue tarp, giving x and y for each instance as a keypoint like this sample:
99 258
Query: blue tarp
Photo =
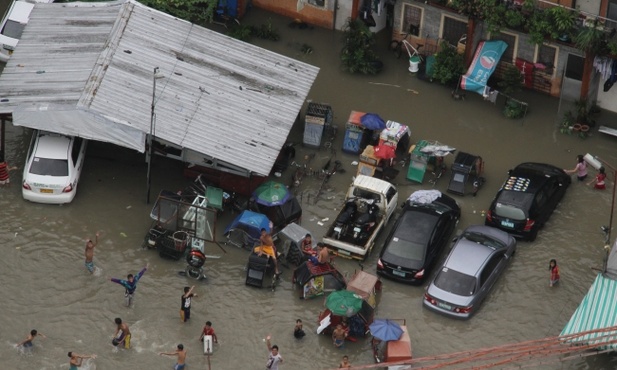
372 121
251 223
488 54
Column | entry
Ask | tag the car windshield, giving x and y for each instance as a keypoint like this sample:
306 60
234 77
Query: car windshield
510 212
484 240
49 167
455 282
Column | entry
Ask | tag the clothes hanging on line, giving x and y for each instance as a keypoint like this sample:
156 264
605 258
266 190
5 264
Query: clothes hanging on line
604 65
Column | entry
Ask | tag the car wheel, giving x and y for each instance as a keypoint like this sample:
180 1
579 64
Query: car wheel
533 235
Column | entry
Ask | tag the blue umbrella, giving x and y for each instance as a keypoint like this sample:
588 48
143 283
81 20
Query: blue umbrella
386 330
372 121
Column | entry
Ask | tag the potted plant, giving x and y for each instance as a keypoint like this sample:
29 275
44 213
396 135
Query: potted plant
564 21
448 66
514 19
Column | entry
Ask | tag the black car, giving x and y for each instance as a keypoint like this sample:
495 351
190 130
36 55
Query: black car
418 237
527 199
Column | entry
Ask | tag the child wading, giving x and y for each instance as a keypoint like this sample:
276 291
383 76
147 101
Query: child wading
554 272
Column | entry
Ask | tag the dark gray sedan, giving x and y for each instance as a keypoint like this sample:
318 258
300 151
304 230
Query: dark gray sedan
474 264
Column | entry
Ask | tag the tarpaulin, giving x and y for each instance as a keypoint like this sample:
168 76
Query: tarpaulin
488 54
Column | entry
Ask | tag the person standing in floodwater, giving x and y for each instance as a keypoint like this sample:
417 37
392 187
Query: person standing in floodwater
90 252
580 169
130 284
27 343
76 360
599 179
554 269
180 353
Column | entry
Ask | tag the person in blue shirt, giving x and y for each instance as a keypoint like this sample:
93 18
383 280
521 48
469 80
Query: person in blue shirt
130 284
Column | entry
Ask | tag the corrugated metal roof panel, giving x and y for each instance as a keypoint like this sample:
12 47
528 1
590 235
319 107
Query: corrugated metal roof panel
219 96
597 310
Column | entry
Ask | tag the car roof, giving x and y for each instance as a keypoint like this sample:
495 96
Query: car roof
468 257
416 225
436 206
53 146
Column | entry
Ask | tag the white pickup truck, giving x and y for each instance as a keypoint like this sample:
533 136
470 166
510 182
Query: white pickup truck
348 235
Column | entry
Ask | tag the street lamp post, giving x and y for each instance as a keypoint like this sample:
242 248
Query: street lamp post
610 220
155 75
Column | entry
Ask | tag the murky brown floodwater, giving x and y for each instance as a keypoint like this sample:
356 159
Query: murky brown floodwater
45 285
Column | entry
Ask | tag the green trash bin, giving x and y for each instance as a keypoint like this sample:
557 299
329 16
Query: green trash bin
414 64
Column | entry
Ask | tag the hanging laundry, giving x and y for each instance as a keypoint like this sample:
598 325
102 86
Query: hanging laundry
604 66
612 76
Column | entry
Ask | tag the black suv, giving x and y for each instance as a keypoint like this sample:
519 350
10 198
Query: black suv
527 199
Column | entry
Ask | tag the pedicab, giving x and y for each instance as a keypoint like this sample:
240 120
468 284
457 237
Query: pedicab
317 279
353 308
288 242
425 154
244 231
466 166
391 343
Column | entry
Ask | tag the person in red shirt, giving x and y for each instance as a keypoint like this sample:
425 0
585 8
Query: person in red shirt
554 272
599 179
307 245
208 331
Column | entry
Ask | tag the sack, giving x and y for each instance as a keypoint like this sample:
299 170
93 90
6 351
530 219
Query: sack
270 363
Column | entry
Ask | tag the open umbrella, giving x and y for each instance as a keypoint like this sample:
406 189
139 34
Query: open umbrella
271 193
386 330
344 303
372 121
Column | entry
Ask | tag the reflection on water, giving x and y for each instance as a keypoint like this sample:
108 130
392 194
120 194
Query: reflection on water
45 285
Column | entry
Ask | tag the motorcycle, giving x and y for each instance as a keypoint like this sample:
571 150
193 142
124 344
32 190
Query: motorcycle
345 217
365 221
195 260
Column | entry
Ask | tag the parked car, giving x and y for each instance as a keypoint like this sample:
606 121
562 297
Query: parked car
421 232
479 257
53 165
527 199
13 24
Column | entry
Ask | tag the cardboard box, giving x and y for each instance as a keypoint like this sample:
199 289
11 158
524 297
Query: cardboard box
368 156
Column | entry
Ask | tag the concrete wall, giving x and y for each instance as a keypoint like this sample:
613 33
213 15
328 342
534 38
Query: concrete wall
432 25
301 9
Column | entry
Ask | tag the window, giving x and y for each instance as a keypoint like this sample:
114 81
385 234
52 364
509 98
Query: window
574 68
510 54
490 268
320 3
390 193
453 30
77 143
412 18
611 13
547 55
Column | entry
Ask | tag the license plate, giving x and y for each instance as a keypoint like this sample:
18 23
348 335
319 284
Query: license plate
49 191
444 306
398 273
507 224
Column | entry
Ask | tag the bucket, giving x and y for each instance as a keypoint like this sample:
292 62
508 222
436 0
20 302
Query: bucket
414 63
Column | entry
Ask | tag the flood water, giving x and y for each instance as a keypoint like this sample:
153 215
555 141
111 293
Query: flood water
46 286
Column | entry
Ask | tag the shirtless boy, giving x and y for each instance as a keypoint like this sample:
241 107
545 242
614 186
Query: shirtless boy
90 252
180 353
122 336
338 336
28 341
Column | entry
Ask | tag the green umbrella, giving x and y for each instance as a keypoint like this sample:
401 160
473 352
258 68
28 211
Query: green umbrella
271 193
344 303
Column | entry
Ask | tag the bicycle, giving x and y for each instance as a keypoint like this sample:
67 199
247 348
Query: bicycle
397 45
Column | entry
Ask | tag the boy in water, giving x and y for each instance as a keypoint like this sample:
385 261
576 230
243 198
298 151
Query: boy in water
338 336
185 306
76 360
130 284
122 336
180 353
208 331
90 252
27 343
298 331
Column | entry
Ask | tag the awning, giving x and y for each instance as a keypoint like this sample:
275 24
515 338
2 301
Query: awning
597 310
